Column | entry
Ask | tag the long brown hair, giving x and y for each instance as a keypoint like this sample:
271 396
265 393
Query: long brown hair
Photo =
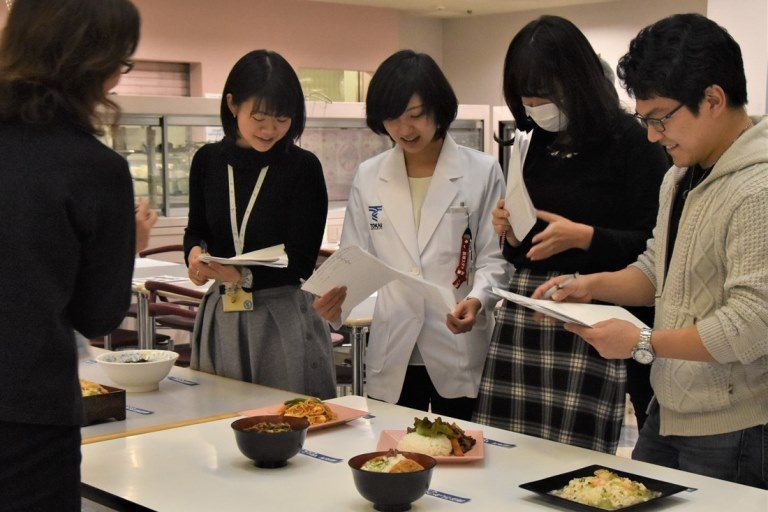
56 55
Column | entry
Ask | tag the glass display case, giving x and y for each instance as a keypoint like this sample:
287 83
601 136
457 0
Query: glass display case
159 136
469 133
138 139
183 136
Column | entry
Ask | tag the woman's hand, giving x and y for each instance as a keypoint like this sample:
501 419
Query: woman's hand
145 219
501 225
463 316
225 273
561 235
328 306
198 272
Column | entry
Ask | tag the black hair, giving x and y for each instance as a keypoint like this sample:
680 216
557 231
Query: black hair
679 57
267 77
56 56
551 58
397 79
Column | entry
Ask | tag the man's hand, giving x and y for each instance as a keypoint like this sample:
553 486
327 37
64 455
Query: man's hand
576 290
613 339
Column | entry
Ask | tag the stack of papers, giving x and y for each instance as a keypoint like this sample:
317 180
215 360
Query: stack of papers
522 214
363 274
577 313
270 257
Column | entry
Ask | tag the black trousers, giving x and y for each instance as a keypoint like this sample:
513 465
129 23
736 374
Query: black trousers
639 389
39 468
419 392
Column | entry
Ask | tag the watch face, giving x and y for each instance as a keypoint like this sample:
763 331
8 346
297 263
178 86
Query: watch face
643 356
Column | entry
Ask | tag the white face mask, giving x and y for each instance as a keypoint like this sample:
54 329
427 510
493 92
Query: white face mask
548 117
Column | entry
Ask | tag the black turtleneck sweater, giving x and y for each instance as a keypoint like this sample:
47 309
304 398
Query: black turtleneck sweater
613 187
291 208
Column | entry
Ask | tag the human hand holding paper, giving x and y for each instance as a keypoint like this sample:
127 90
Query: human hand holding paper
362 274
571 312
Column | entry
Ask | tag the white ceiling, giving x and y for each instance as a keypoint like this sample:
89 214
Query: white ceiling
459 8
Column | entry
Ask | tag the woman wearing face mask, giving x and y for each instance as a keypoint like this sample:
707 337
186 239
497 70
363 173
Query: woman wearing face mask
252 190
594 179
429 194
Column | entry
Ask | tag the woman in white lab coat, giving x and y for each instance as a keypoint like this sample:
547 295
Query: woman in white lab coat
422 207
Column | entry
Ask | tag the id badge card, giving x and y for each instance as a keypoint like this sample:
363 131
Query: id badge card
237 300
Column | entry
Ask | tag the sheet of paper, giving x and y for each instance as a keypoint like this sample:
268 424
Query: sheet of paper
583 314
522 215
269 257
149 263
363 274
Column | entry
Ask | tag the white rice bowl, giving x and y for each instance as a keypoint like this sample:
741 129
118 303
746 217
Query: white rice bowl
435 446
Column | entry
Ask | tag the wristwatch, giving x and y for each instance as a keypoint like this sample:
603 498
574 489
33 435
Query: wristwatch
643 352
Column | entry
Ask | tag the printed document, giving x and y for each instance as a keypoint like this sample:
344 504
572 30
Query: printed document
363 274
270 257
522 214
573 312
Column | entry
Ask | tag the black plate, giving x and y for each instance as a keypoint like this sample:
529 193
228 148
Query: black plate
547 485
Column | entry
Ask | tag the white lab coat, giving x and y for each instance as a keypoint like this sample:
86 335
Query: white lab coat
464 190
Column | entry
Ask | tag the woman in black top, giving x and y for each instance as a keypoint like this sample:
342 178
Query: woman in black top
255 323
67 232
594 179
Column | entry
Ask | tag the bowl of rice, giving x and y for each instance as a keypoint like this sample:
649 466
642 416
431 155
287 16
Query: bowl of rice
436 446
392 480
137 371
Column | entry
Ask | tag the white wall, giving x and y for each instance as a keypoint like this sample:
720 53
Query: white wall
474 48
424 35
748 25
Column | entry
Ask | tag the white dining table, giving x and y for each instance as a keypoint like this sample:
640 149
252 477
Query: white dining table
199 468
184 397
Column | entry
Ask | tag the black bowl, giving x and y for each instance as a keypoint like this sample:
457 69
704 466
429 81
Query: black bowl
392 492
270 450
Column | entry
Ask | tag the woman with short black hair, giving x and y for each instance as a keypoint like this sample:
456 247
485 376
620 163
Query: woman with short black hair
68 232
255 189
594 179
422 207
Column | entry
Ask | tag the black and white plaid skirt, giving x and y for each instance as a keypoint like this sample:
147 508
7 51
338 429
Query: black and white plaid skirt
544 381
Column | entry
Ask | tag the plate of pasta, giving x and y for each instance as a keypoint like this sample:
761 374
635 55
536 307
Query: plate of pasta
319 414
599 488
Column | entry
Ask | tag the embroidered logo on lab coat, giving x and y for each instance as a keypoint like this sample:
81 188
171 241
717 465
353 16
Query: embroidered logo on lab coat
375 210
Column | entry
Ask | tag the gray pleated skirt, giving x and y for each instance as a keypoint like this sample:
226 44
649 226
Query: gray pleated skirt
282 343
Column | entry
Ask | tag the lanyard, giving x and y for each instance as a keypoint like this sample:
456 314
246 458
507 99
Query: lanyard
239 237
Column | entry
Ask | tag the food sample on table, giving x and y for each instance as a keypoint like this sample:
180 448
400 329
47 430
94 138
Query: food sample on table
392 462
90 388
606 490
313 409
268 428
436 438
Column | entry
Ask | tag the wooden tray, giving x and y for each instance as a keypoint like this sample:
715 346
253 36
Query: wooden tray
104 407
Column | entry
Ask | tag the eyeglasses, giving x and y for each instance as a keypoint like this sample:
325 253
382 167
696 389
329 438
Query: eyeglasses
657 124
126 66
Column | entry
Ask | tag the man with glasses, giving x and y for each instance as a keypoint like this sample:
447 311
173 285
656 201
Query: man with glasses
706 267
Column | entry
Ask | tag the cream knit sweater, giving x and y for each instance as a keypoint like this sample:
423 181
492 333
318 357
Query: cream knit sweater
718 280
